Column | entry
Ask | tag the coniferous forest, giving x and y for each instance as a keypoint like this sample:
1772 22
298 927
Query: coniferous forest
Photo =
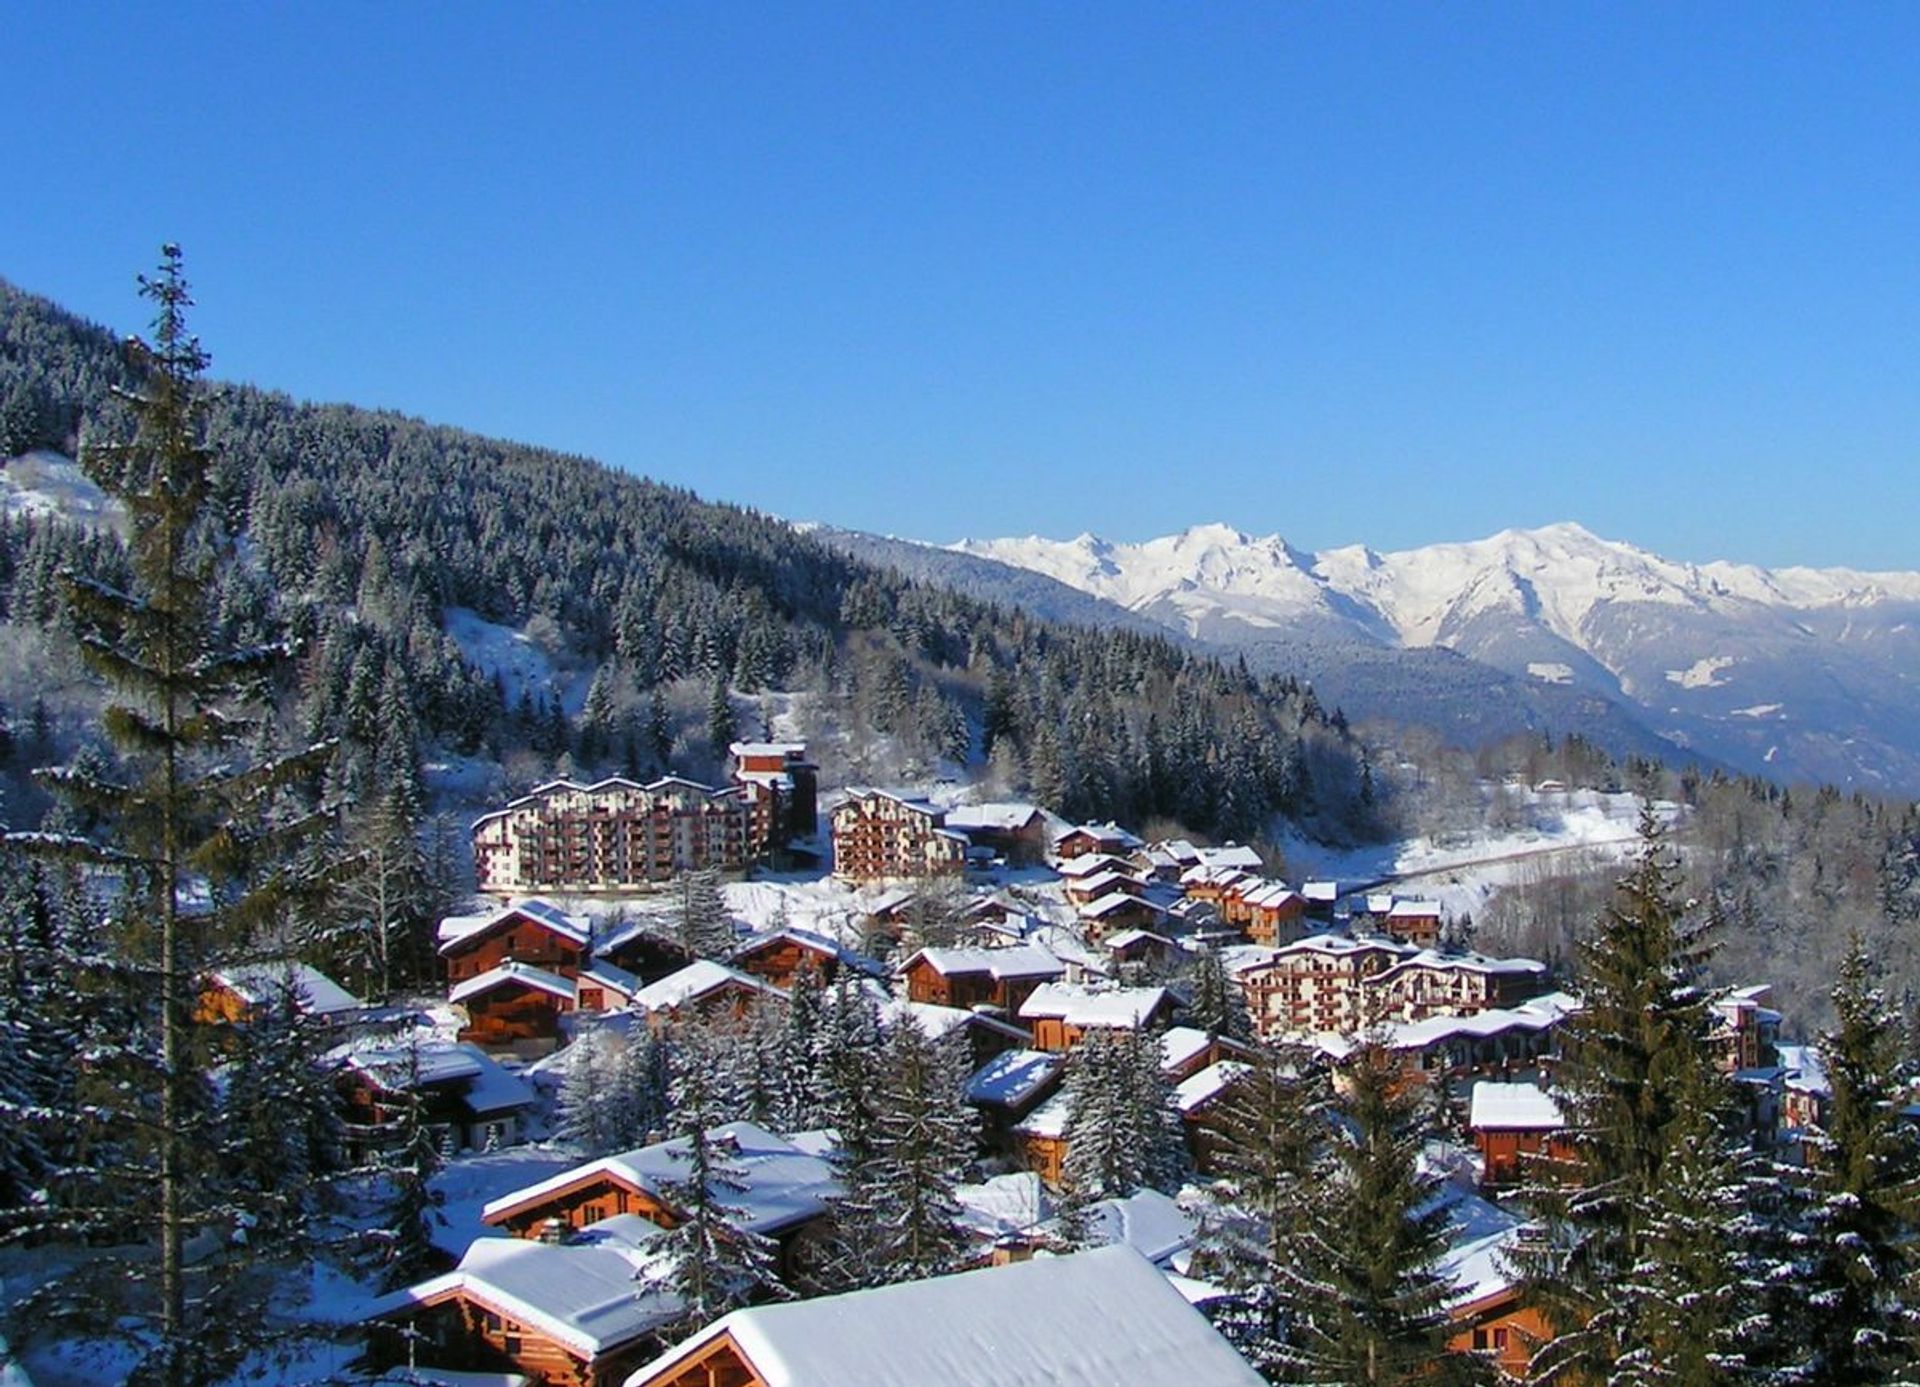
233 713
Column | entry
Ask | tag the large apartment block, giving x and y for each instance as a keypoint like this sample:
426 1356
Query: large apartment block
613 835
877 835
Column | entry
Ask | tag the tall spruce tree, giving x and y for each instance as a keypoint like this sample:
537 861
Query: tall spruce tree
897 1221
705 925
1639 1205
1360 1293
1267 1129
1123 1132
1862 1193
196 829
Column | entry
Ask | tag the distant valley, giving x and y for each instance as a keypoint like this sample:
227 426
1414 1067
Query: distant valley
1800 674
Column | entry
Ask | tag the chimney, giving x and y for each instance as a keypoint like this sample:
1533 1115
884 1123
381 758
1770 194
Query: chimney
553 1232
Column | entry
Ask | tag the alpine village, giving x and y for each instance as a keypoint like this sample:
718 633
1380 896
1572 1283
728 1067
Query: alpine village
844 981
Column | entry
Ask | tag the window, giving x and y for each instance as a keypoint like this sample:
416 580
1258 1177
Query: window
513 1343
1500 1338
1480 1338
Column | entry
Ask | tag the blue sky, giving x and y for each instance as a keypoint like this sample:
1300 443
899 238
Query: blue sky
1391 274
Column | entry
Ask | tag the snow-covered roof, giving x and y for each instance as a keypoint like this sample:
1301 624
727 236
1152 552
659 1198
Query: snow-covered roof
590 1294
1343 946
1182 1043
1192 1093
1205 875
1321 892
936 1022
1535 1014
1466 963
1414 910
613 979
456 929
813 940
756 749
1120 900
1126 1008
1049 1119
1097 1317
605 786
1094 864
698 979
1230 855
1101 880
1000 817
1521 1107
1804 1069
855 793
1268 895
485 1085
513 974
1101 833
1011 1078
258 984
1003 1205
1020 961
775 1184
1147 1221
1128 937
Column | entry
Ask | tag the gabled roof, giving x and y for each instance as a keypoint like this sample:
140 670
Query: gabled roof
1101 833
1003 817
609 784
937 1022
258 984
591 1295
514 974
1230 855
1514 1107
856 793
1192 1094
1414 910
1465 963
811 941
481 1082
1136 936
698 979
1010 1079
611 978
1321 892
1020 961
779 1185
1180 1044
1125 1008
1093 864
461 929
1104 1316
1119 900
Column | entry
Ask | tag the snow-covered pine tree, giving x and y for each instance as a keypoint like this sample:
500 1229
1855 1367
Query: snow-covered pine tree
640 1112
1361 1296
797 1103
847 1066
200 835
1861 1191
1268 1129
708 1263
406 1158
1645 1110
386 895
1123 1131
705 927
897 1221
1217 1006
590 1101
40 1027
279 1123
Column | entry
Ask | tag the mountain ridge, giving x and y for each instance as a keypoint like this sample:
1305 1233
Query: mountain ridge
1796 672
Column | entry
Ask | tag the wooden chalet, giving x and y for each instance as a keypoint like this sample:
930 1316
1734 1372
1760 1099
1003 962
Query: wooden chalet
1197 1097
1142 946
1415 922
243 993
1118 913
1186 1050
1271 912
704 988
1085 890
514 1003
1062 1013
984 1035
534 932
1213 885
1111 839
1105 1315
1040 1138
467 1099
777 1190
968 978
640 947
1016 833
584 1312
779 956
1007 1089
1510 1123
602 986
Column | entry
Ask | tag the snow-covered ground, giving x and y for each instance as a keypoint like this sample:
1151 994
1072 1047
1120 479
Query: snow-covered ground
1463 870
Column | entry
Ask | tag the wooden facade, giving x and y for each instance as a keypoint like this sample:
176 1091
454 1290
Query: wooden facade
969 978
1504 1328
520 936
513 1009
1504 1151
782 957
466 1331
719 1363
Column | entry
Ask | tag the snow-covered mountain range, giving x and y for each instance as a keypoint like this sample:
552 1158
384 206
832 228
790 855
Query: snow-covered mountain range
1805 673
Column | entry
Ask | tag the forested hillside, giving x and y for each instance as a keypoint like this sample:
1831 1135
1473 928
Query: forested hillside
366 533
